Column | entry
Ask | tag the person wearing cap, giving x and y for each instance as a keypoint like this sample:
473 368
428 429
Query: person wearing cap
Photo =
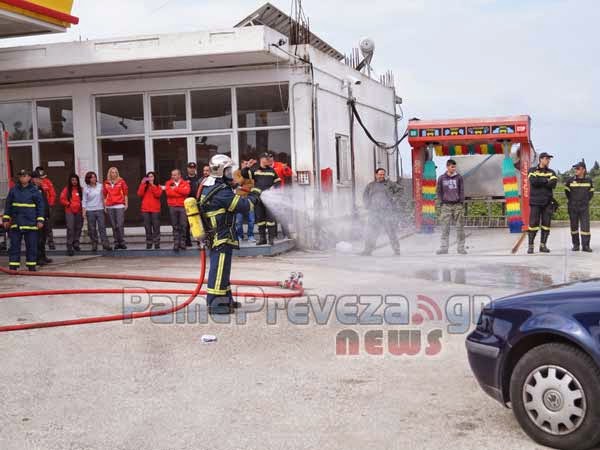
23 217
193 178
42 258
542 180
580 190
50 192
264 177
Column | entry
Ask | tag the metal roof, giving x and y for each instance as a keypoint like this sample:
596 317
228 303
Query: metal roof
272 17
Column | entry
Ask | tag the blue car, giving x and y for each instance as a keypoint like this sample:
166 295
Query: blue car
539 352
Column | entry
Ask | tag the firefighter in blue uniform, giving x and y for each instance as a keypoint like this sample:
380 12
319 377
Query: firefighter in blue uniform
543 181
219 205
264 177
23 217
580 190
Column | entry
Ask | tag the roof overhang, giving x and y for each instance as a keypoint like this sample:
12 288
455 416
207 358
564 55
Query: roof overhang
23 17
139 56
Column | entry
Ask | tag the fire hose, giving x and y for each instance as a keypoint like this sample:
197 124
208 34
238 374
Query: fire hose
296 290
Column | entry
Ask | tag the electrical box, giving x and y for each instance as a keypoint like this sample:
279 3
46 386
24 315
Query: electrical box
303 177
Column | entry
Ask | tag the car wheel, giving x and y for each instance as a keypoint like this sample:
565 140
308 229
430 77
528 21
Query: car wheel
555 395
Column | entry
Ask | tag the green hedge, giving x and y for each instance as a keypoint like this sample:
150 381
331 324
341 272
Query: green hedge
479 208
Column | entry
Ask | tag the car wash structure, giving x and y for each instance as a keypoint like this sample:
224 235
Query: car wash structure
467 138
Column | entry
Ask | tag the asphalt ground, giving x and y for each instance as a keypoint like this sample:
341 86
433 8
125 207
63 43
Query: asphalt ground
275 377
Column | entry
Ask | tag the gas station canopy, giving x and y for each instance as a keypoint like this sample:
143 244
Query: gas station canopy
28 17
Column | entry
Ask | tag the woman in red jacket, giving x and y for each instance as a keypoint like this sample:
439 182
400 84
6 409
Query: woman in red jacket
115 193
177 190
70 198
150 192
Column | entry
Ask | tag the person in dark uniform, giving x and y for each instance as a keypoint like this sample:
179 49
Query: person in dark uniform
542 180
193 179
23 217
580 190
219 206
42 258
264 177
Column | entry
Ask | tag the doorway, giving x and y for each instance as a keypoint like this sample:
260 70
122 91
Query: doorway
169 154
20 158
58 160
128 155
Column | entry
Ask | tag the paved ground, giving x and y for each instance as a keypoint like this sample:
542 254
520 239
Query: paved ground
262 386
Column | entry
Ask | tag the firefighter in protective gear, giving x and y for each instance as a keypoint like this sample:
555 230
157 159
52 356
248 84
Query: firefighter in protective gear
580 190
219 206
542 180
23 217
264 177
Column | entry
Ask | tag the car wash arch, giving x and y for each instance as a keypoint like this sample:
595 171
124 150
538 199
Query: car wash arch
496 154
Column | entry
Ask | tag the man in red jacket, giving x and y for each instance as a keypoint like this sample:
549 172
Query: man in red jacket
50 192
177 190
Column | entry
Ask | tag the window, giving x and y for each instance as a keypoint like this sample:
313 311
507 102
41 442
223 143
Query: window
209 146
20 157
168 112
343 162
263 106
380 159
58 159
211 109
120 115
169 154
55 118
17 119
253 143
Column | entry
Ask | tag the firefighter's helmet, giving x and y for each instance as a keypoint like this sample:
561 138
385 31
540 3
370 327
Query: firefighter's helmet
221 166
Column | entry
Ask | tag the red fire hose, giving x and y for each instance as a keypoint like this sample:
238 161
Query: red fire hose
134 315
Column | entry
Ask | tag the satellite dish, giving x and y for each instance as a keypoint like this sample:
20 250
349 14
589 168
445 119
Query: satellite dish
367 47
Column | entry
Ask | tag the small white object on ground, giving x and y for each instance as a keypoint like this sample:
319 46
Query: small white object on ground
208 339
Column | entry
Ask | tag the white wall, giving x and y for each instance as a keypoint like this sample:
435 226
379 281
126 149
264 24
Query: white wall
375 104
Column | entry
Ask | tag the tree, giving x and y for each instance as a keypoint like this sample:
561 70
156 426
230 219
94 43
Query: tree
595 170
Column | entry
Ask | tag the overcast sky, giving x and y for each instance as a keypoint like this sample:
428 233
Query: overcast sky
451 58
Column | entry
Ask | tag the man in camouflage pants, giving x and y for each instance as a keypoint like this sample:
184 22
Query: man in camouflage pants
382 198
451 192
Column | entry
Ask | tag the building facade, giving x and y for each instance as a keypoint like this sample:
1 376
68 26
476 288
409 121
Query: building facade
157 102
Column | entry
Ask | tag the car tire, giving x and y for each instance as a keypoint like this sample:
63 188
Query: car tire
543 398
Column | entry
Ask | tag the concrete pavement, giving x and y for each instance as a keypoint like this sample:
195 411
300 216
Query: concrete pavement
261 385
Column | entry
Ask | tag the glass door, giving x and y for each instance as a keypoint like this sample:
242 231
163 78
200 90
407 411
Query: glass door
128 155
169 154
58 160
208 146
20 158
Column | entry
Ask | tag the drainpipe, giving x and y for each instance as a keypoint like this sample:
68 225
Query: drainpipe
316 145
398 166
352 159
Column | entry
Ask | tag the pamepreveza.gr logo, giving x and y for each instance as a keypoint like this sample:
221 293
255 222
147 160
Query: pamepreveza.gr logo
417 329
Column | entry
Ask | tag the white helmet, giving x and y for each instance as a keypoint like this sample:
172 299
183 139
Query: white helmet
221 166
